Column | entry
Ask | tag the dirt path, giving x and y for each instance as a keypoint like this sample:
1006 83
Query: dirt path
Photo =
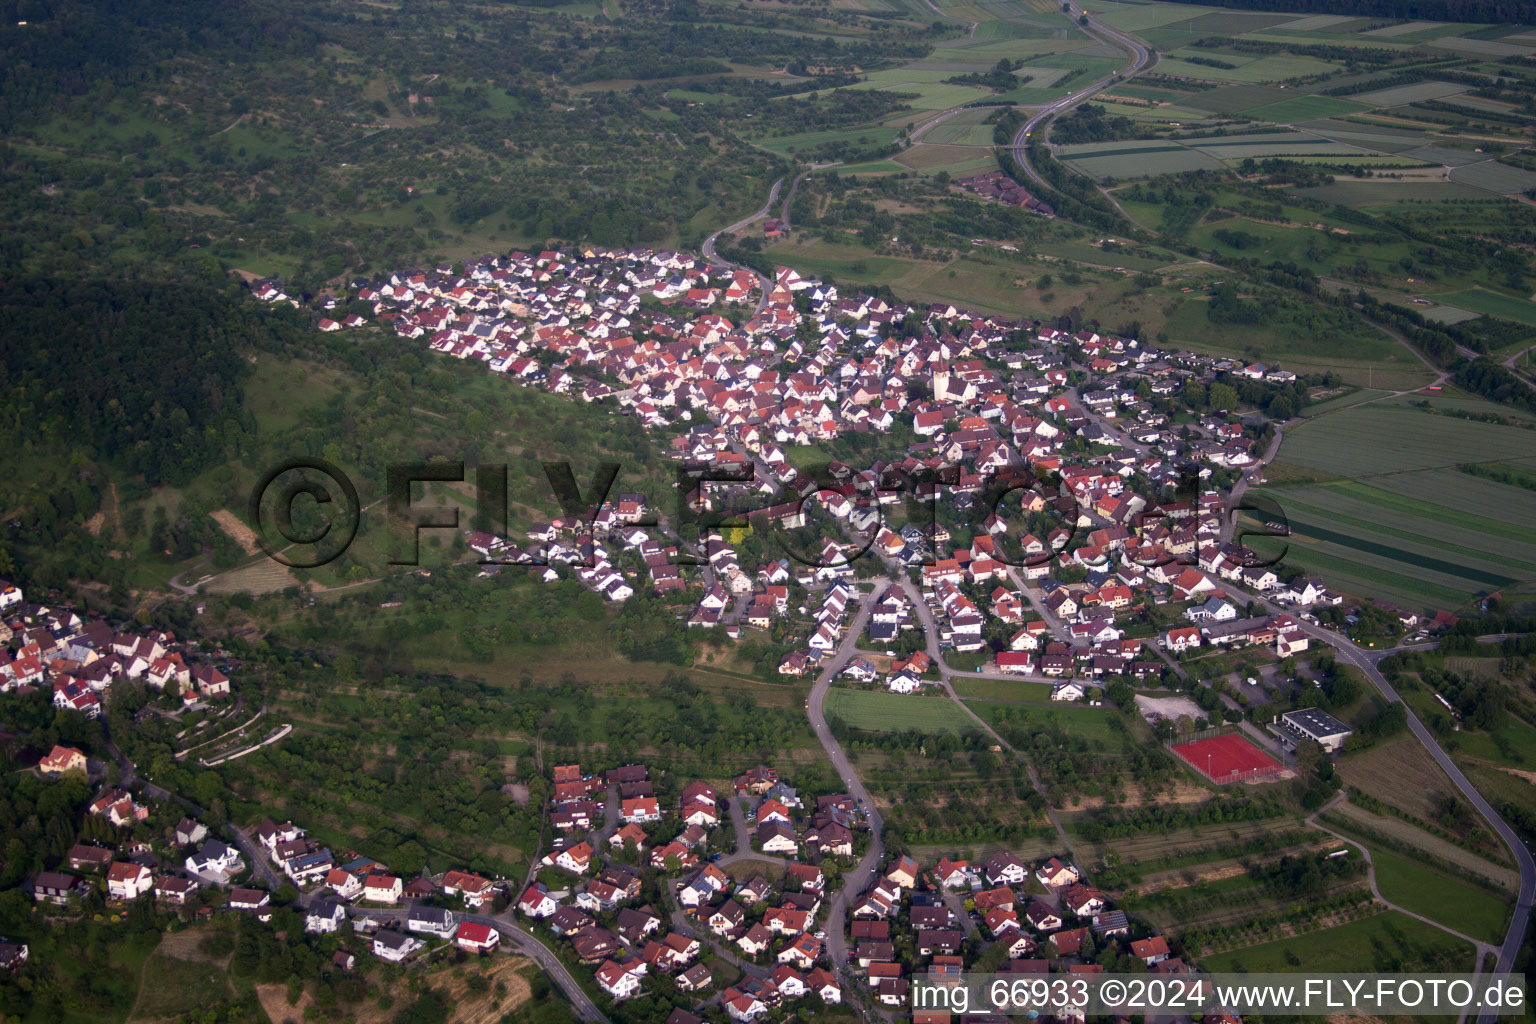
236 530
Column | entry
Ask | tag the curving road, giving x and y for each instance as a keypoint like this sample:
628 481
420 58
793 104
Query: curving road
527 944
857 880
708 248
1365 661
1141 56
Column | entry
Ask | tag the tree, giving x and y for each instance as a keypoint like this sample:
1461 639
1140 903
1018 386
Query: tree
1223 397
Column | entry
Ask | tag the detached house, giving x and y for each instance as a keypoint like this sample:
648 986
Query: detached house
128 881
382 889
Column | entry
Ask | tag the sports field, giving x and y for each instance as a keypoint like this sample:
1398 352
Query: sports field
1229 758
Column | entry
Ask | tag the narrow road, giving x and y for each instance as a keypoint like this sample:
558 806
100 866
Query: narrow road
857 880
708 248
526 943
1370 869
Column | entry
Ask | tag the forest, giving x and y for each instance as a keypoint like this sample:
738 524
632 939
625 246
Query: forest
130 138
153 372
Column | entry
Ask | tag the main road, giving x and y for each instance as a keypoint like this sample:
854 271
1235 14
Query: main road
1141 56
855 881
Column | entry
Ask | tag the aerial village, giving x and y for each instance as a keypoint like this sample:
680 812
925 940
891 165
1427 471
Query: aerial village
1108 558
1074 487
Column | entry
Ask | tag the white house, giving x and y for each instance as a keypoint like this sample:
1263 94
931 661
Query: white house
394 946
213 857
433 921
128 881
324 917
620 981
382 889
1068 692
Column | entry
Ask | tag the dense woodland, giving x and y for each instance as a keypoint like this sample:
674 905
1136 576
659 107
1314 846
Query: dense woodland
254 136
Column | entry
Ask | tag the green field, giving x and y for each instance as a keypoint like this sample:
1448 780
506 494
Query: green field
879 711
1408 526
1136 159
1379 438
1093 724
1001 689
1276 68
1468 909
1386 942
1515 736
1498 178
1402 95
785 145
1364 357
1303 108
1492 303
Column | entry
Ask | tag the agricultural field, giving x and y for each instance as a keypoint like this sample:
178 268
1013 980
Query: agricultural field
1104 160
1364 357
1096 725
1303 108
1401 774
1480 300
1251 71
1382 830
1380 439
1385 942
1458 905
1193 852
879 711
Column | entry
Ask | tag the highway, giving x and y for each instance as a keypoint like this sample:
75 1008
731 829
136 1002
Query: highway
1141 57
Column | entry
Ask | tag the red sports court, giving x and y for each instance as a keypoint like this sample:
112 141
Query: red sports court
1229 758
